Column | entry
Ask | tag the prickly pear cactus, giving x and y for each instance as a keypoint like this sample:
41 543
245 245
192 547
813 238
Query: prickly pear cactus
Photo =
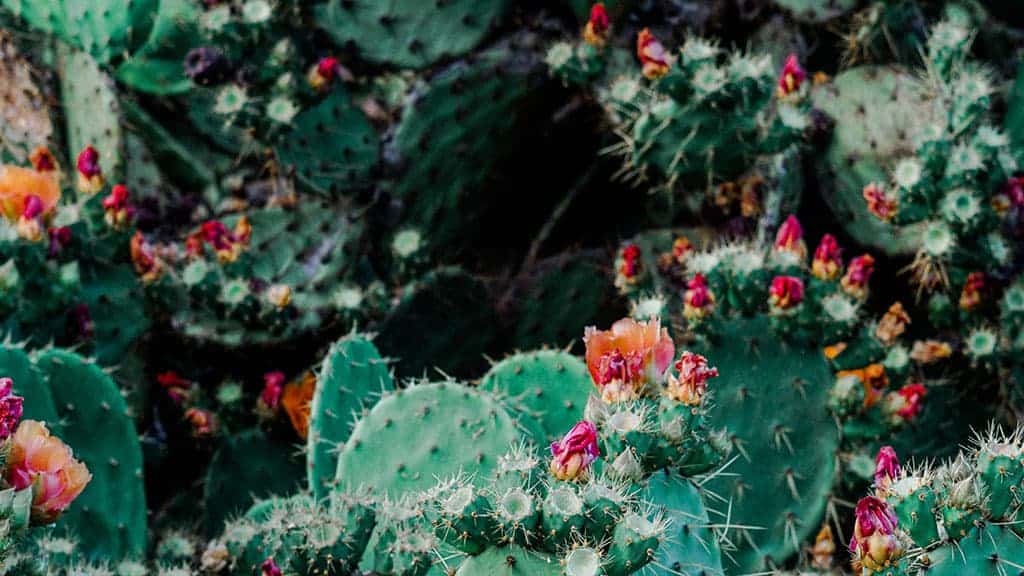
81 403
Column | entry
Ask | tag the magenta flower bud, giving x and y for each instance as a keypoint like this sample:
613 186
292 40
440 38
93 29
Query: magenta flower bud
875 541
273 385
887 467
572 455
10 408
33 207
269 568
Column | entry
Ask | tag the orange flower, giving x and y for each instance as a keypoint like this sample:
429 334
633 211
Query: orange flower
47 465
17 185
296 402
834 350
655 59
873 378
624 359
892 325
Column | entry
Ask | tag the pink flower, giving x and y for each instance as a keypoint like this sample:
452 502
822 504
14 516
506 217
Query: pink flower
875 541
691 385
595 32
698 300
786 292
906 403
228 244
324 72
879 203
630 261
792 77
790 238
624 359
273 386
858 273
10 408
655 59
117 211
269 568
45 464
573 454
887 467
828 259
90 175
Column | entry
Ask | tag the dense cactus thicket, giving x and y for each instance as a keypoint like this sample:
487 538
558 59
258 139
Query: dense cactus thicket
511 288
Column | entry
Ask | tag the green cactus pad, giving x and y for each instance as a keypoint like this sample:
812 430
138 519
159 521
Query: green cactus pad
451 139
816 10
91 110
455 310
106 29
550 386
878 112
248 466
413 437
409 34
337 125
352 376
691 547
109 518
28 383
510 561
772 397
992 550
157 66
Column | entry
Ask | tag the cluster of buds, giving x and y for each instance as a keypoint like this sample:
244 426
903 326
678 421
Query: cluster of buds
37 461
598 26
654 58
625 360
227 244
572 456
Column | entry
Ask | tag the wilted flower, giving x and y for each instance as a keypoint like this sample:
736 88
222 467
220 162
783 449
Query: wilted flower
203 422
790 238
875 542
858 273
10 408
691 385
228 245
892 325
624 359
971 295
117 212
828 259
880 205
792 77
785 292
146 263
572 456
906 403
698 300
178 389
824 549
887 468
44 463
929 351
595 32
42 160
874 380
279 295
215 558
90 175
655 59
